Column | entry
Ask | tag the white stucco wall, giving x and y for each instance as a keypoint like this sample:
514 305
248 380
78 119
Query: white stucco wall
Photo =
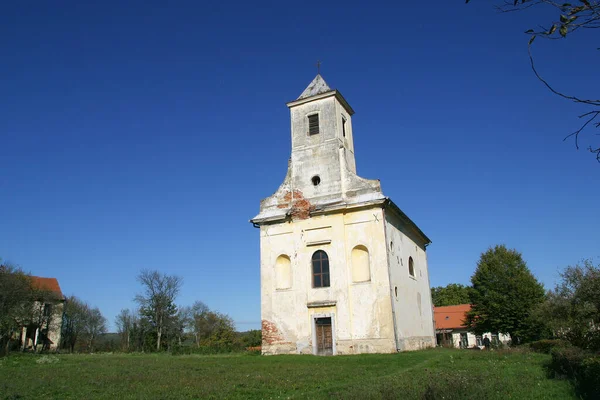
412 297
362 311
472 338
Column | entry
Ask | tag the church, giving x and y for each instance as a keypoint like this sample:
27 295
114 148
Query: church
343 270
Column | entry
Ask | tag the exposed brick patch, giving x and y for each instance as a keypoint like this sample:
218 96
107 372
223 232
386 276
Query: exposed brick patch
300 207
270 333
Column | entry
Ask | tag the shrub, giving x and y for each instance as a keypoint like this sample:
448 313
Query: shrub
565 362
581 367
589 381
547 345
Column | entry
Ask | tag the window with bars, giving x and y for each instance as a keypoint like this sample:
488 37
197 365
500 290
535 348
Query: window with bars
320 269
313 124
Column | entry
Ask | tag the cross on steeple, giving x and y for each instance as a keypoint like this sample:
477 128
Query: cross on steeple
318 66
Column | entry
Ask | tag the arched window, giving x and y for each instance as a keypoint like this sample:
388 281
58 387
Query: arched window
411 266
361 271
283 272
320 269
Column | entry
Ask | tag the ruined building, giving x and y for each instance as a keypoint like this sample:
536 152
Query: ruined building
343 269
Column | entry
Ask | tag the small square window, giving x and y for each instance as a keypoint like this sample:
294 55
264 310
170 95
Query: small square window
313 124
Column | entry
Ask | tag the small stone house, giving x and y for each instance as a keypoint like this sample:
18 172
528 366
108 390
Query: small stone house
43 331
343 270
450 329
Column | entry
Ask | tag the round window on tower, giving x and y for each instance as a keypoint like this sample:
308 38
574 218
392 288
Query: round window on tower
316 180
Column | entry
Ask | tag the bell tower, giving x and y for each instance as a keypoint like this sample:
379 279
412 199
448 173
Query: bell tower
322 145
322 167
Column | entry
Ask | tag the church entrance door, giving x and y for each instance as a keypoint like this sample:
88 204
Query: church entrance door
324 336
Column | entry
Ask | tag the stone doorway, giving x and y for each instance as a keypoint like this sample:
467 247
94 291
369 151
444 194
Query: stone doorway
324 336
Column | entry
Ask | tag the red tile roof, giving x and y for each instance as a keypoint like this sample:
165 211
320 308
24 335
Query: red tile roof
451 317
50 284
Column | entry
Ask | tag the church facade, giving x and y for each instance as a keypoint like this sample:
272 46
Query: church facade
343 269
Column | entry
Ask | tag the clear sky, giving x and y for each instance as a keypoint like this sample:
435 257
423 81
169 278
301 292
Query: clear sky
144 134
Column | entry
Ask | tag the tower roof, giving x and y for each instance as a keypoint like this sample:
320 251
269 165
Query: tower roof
317 86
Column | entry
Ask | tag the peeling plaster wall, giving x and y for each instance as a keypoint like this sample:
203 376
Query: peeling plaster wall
54 330
328 155
318 154
362 311
412 304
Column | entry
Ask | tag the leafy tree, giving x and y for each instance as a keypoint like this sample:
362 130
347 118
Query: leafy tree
572 310
215 329
126 321
251 338
73 322
504 294
16 296
576 17
157 303
450 295
95 325
81 325
196 316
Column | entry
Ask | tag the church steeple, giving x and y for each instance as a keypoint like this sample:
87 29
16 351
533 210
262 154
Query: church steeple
322 167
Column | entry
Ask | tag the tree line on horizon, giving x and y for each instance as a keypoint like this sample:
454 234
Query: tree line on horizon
157 324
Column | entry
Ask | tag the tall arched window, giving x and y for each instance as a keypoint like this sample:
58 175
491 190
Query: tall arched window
283 272
411 266
320 269
361 271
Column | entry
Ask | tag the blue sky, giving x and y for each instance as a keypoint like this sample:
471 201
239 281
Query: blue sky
144 135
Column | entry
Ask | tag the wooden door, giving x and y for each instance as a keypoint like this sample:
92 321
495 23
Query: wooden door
324 336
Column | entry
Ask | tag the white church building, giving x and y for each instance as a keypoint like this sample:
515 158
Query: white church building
343 270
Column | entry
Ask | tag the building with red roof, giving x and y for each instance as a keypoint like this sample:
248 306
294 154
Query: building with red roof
451 329
42 332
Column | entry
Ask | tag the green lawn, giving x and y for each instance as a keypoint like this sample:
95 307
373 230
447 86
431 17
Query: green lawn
428 374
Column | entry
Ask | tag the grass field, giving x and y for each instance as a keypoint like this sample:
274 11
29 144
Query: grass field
427 374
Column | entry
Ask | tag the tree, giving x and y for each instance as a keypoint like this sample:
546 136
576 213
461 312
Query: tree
571 17
251 338
197 312
94 326
450 295
215 329
126 323
157 303
81 324
74 315
572 310
16 297
504 295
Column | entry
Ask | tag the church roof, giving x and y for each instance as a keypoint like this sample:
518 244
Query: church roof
317 86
